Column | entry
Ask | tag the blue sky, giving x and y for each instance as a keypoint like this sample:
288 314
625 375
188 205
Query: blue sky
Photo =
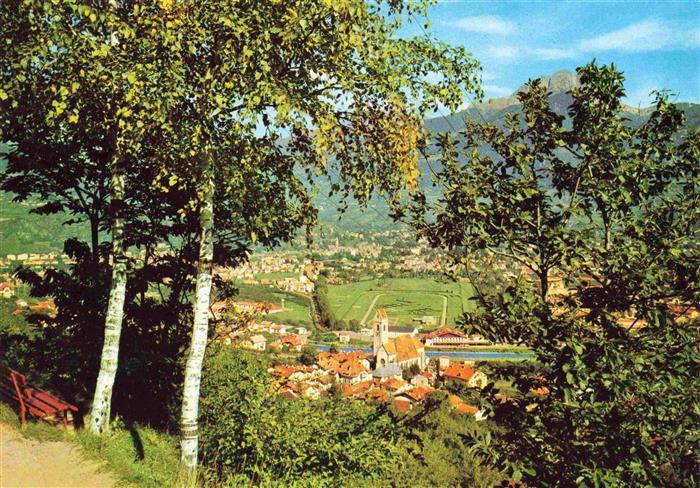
656 44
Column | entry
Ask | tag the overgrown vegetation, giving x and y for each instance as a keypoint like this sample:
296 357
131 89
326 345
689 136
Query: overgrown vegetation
613 211
252 436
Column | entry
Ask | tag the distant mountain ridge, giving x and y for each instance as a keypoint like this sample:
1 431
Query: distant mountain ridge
559 84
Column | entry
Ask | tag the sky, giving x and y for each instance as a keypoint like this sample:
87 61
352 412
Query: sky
655 44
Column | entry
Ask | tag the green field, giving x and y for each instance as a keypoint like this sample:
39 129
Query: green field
404 299
24 232
298 309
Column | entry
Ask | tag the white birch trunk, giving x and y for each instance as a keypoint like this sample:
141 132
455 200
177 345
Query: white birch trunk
102 400
193 370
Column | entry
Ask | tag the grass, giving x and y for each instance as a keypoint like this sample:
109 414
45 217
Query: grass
404 299
136 455
24 232
298 310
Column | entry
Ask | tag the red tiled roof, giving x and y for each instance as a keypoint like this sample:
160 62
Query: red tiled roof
445 331
355 355
418 393
394 383
459 372
45 305
465 408
403 406
291 340
455 400
351 369
381 314
289 394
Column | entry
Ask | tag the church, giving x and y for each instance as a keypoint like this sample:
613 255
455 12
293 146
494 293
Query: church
403 350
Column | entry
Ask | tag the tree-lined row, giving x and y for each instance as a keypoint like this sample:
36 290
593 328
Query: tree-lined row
160 123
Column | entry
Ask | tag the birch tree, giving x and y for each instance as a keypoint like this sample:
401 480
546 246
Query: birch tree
331 76
82 68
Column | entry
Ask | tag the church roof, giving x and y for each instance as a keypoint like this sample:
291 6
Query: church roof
404 347
402 328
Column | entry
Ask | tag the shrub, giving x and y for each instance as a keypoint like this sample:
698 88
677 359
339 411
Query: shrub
249 433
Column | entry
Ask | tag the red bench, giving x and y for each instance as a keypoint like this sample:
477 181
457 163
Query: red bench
37 402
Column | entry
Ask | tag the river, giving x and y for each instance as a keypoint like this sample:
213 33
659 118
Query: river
454 354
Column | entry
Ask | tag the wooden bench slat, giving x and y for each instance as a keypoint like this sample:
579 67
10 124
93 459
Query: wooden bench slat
39 403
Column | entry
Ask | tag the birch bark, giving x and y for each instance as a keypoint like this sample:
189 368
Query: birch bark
102 400
193 370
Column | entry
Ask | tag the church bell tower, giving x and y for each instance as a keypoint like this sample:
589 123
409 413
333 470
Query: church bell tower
381 330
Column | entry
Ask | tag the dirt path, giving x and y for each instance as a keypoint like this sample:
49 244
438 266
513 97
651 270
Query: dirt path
369 309
28 462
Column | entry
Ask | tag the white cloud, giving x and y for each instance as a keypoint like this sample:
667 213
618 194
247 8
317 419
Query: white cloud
548 54
648 35
485 24
497 91
642 96
487 75
502 52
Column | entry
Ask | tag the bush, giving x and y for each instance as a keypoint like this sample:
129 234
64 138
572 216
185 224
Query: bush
250 435
308 356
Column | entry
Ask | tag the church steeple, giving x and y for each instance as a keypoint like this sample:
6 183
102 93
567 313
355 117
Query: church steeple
381 330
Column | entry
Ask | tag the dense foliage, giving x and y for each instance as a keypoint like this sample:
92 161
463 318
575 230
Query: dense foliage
613 211
250 435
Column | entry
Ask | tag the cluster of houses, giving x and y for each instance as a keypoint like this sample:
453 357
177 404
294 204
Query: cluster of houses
303 282
352 373
46 307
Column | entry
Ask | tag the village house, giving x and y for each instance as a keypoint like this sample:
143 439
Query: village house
353 372
395 385
421 379
343 336
403 350
256 342
277 329
291 343
462 408
465 374
450 337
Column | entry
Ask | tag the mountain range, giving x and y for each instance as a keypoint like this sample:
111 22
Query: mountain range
492 111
